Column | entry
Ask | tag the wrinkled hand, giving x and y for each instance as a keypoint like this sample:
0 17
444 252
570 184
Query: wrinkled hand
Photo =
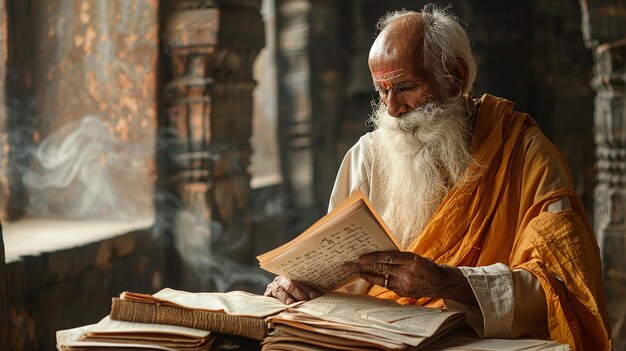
288 291
411 275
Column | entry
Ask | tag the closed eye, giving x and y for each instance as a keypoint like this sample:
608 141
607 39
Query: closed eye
405 86
398 88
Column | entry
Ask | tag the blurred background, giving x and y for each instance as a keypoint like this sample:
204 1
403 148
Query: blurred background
165 143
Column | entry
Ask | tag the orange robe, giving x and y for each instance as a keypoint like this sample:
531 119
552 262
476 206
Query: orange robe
501 216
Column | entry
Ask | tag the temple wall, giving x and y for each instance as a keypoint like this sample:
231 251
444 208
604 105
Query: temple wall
73 286
82 108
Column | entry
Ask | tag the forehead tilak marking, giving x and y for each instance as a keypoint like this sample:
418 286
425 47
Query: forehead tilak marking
387 74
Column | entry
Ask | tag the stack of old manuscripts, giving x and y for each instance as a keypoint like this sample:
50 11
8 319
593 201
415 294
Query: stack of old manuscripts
334 321
178 320
357 322
173 320
119 335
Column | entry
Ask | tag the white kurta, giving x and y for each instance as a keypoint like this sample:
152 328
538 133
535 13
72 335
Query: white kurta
511 303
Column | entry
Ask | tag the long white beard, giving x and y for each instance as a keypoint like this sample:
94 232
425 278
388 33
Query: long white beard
421 156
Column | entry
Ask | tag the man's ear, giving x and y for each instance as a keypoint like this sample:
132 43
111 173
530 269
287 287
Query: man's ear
460 72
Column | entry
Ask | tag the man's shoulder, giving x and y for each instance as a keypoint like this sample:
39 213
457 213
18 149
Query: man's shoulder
536 142
366 138
495 104
363 145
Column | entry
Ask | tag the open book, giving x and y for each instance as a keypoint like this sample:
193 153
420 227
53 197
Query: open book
315 257
332 319
236 312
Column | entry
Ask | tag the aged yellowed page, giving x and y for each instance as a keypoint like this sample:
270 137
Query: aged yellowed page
470 344
116 335
70 335
315 257
92 345
288 336
236 303
340 304
349 331
396 313
413 320
109 326
344 315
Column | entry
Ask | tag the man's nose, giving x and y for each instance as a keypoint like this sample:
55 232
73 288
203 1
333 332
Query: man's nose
396 105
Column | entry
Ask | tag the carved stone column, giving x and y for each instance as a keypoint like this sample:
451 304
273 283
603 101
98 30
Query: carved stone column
294 110
211 47
604 31
328 56
311 65
4 137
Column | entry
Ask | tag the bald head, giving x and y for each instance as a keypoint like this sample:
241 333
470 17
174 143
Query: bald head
399 43
404 35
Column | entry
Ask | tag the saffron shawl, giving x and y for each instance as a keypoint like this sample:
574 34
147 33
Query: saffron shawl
501 215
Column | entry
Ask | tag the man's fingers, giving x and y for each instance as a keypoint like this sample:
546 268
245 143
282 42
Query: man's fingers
288 291
375 278
284 297
270 287
350 267
387 257
275 289
293 289
309 291
380 262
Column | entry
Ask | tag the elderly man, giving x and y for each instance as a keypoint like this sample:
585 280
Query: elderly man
481 201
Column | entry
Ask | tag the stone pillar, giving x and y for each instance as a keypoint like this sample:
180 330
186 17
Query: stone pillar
328 57
294 110
4 135
4 183
604 31
311 65
211 47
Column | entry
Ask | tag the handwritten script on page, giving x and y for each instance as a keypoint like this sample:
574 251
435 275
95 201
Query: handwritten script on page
317 260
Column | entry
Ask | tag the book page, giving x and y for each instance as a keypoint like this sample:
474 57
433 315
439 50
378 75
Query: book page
97 345
236 303
355 309
318 260
346 330
393 314
70 335
68 340
471 344
109 326
338 303
415 320
423 325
